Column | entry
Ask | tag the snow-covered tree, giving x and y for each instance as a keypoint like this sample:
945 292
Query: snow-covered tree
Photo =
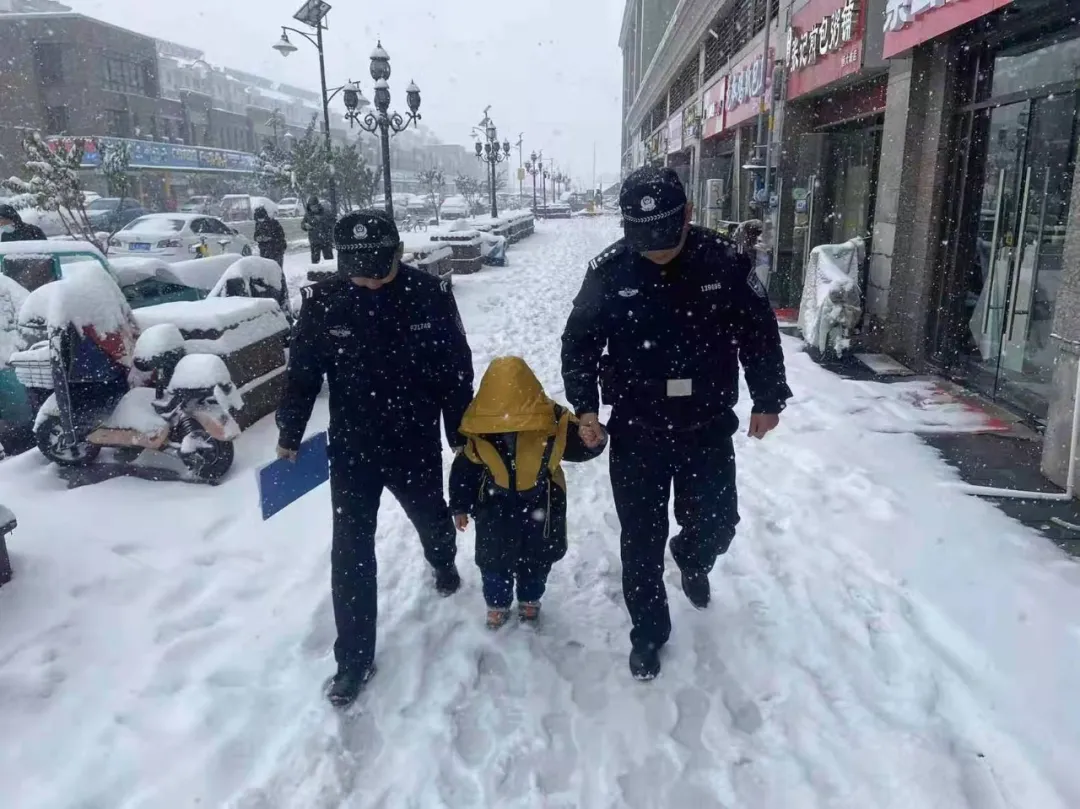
273 172
276 121
311 172
115 166
355 180
55 184
470 188
434 181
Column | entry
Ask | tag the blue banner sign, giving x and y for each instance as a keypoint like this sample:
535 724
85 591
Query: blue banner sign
147 154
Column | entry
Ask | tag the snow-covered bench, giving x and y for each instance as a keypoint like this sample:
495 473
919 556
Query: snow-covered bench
249 334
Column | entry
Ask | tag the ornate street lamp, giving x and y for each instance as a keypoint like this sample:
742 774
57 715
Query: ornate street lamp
535 166
313 14
492 152
381 121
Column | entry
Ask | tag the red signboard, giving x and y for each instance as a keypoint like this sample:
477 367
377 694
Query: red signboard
910 22
714 109
747 85
825 44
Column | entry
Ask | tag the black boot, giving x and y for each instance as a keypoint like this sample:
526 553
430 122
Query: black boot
695 583
645 662
347 684
447 580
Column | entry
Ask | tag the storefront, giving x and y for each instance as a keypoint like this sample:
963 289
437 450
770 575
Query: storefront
717 189
680 155
164 174
748 86
1014 154
836 93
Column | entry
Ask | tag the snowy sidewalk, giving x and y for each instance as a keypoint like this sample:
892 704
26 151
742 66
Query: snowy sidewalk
875 641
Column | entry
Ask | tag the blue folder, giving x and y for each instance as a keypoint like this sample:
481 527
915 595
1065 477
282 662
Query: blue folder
282 483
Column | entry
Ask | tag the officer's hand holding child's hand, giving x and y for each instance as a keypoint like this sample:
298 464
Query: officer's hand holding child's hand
286 454
592 434
461 521
761 424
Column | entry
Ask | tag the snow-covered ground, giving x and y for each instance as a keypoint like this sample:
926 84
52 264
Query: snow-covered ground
876 640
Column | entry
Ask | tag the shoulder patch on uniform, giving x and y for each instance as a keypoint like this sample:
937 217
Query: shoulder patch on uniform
754 282
307 292
444 285
610 253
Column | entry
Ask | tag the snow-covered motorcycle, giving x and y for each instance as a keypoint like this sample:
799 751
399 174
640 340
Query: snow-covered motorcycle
186 411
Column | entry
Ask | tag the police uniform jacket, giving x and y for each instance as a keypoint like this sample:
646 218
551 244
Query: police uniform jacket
674 336
395 360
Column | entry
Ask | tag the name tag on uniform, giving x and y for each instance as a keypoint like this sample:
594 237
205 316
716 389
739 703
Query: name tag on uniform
680 387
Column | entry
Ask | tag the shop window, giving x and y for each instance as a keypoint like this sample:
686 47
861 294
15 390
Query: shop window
685 83
49 61
1027 69
116 123
122 75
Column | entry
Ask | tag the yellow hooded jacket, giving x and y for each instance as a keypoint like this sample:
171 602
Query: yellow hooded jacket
512 400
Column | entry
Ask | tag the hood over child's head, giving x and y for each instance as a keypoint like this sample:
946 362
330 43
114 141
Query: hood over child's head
510 400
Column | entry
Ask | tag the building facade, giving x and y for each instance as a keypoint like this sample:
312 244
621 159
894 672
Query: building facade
195 126
943 132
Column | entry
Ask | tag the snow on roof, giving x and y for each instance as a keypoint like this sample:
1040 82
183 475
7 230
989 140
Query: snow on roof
200 273
87 296
251 267
131 270
49 247
212 314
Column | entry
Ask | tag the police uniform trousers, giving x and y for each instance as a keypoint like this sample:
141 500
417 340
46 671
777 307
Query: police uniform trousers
357 479
644 465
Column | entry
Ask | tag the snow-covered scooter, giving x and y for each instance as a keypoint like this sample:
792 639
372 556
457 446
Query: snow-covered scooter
186 412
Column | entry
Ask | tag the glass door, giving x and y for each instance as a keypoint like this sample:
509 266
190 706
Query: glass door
1016 264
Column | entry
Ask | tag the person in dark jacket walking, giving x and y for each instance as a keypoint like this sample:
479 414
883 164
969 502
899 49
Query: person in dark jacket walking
270 236
14 229
509 477
677 308
389 341
318 223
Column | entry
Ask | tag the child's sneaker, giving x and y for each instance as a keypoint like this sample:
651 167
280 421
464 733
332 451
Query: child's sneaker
529 612
497 618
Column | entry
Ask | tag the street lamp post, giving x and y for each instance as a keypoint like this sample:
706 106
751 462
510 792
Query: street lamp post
382 121
535 166
313 14
547 176
492 153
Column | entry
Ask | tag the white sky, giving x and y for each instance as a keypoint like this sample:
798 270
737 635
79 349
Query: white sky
548 68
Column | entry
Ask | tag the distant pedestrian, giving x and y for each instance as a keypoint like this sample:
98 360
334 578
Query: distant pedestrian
270 236
14 229
319 225
676 308
509 477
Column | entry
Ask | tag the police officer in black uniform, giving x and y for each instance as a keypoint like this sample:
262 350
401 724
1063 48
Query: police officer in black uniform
389 340
676 308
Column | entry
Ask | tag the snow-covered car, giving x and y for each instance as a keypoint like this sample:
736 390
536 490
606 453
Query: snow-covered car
241 207
290 207
198 205
454 208
178 236
109 214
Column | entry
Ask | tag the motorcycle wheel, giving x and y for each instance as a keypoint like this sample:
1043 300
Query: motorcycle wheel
211 461
49 437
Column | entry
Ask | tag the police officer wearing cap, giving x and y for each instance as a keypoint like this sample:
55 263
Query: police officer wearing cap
389 341
661 324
